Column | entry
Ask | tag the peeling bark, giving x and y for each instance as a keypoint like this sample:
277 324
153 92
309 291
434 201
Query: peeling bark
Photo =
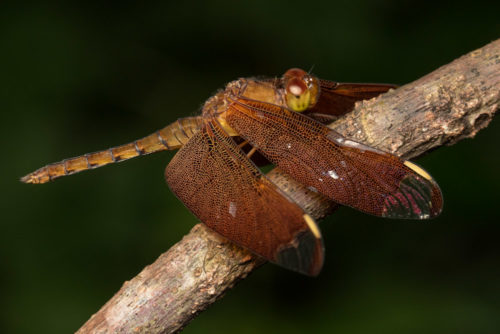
452 103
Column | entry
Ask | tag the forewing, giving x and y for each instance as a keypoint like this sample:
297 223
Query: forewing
347 172
212 176
337 99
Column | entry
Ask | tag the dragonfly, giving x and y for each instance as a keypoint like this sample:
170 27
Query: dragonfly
280 121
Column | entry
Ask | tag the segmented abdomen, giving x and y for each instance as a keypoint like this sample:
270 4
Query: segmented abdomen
170 137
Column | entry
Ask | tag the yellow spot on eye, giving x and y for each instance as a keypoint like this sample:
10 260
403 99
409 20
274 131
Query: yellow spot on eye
418 170
300 102
302 90
312 226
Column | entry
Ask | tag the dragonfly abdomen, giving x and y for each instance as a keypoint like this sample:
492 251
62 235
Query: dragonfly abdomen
170 137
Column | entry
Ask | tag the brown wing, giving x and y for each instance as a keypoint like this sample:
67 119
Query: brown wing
345 171
337 99
227 192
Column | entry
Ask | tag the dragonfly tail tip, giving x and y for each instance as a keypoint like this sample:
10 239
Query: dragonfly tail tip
27 179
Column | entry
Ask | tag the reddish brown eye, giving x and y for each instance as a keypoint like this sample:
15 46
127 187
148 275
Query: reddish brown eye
295 73
301 89
296 87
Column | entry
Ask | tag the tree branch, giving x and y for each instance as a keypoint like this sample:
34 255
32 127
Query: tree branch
445 106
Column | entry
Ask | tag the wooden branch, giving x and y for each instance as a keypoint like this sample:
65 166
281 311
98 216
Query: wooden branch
450 104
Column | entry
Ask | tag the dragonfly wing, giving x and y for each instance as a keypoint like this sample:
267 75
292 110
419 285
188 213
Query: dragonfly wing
212 176
347 172
337 99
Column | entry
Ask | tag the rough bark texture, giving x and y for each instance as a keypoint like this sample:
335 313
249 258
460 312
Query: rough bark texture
447 105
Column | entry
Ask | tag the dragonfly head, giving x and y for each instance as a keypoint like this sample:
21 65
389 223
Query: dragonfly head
301 89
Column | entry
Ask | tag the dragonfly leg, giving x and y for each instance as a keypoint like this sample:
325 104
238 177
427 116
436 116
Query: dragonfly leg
242 144
251 152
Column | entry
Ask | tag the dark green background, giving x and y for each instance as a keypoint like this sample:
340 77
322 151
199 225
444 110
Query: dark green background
82 77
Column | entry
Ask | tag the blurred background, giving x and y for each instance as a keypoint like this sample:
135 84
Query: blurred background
81 76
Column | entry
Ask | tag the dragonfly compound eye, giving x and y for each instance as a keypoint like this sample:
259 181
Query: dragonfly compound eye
301 89
298 96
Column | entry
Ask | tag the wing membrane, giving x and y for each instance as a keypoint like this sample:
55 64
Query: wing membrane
337 99
226 191
347 172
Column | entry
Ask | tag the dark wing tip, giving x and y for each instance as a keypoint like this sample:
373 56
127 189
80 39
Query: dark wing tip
305 253
418 197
